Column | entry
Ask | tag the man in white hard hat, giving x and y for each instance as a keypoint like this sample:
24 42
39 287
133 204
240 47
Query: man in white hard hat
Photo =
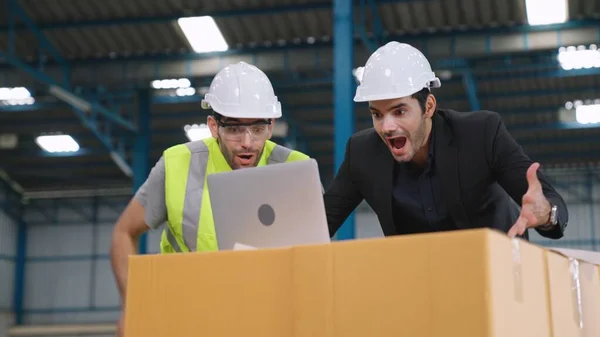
426 169
244 107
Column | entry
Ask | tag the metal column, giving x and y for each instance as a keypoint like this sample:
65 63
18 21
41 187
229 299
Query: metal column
141 150
19 292
343 56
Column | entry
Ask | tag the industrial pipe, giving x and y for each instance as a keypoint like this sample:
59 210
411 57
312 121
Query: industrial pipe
100 192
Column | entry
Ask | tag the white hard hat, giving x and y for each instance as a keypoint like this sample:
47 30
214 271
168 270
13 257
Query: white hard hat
395 70
242 90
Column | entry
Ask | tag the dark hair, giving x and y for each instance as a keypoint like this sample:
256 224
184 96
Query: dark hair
223 119
421 97
216 115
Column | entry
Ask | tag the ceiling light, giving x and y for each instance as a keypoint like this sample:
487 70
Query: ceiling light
57 143
185 92
203 34
171 83
545 12
580 57
588 114
16 96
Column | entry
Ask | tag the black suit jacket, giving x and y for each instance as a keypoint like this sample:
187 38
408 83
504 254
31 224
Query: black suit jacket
482 172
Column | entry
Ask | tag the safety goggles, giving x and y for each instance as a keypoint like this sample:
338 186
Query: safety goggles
237 131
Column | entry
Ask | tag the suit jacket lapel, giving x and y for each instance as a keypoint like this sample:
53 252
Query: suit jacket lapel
447 164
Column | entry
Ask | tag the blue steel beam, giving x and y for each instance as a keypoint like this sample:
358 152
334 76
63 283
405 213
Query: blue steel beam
364 121
87 112
362 29
422 40
164 99
378 29
278 9
92 218
314 132
343 91
12 196
545 62
158 147
21 253
307 125
18 11
376 38
66 172
319 141
141 151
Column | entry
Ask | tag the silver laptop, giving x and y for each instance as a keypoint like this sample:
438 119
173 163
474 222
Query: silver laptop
270 206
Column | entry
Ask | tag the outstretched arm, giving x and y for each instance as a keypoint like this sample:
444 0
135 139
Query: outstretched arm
520 178
146 210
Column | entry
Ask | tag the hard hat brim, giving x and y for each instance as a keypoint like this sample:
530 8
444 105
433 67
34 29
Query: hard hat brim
392 94
236 111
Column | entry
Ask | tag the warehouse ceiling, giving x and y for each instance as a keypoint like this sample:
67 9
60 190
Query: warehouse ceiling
109 52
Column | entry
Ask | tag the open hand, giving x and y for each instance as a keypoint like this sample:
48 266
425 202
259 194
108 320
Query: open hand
535 208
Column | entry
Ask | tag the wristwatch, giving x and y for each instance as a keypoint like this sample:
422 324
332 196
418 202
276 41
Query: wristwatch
552 220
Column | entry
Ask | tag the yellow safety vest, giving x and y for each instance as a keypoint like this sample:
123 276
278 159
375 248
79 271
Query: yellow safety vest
190 224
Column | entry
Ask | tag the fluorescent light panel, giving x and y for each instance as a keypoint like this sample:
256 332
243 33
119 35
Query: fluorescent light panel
171 83
197 132
546 12
57 143
580 57
16 96
587 112
185 92
203 34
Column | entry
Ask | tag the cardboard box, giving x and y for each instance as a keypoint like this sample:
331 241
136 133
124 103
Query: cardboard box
574 284
464 283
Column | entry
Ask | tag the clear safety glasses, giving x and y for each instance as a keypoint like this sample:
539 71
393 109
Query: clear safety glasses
237 131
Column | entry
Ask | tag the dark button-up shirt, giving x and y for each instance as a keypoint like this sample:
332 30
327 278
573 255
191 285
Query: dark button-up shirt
419 205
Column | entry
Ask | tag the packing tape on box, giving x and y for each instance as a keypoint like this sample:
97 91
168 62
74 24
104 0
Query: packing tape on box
576 290
517 266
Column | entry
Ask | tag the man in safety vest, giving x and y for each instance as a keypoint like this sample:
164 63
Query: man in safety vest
244 107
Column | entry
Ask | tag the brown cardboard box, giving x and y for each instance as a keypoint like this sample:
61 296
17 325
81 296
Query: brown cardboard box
574 284
464 283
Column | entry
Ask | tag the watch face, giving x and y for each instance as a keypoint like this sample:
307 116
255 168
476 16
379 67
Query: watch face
554 215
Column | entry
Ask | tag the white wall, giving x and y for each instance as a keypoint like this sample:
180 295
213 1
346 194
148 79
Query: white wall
583 231
68 274
8 239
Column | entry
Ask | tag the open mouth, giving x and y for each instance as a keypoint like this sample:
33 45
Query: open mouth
397 144
245 159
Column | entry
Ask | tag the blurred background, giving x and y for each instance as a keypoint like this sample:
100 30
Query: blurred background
91 93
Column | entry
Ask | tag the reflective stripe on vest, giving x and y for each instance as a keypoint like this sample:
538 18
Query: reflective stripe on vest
188 229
